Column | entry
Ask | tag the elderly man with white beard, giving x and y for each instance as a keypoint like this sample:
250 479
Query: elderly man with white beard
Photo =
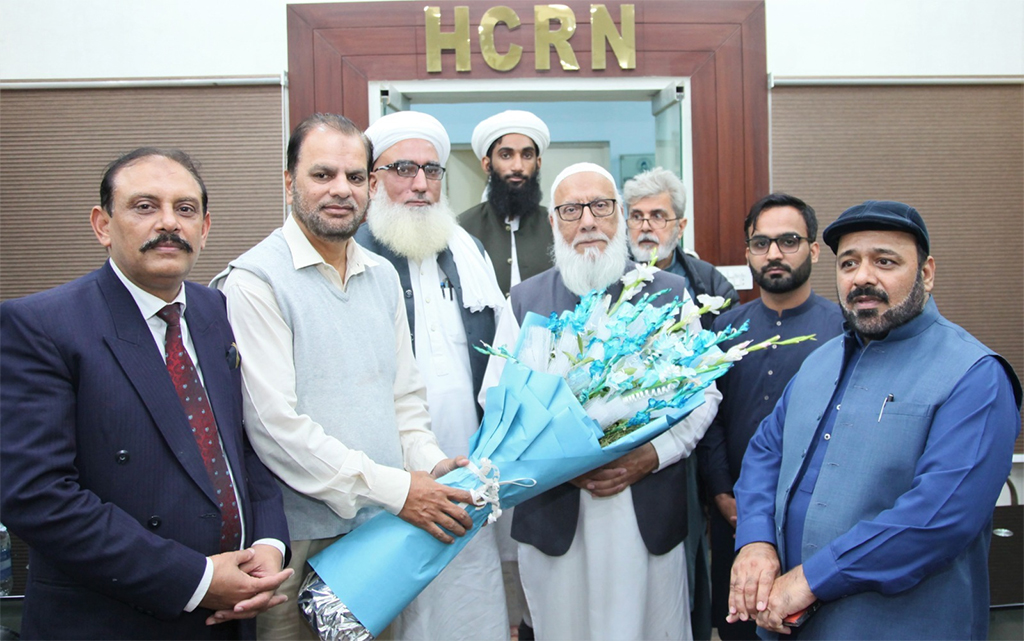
451 297
602 557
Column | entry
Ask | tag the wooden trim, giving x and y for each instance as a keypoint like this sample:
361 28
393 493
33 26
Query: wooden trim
335 49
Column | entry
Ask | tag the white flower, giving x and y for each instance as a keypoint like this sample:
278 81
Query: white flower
711 303
643 272
735 353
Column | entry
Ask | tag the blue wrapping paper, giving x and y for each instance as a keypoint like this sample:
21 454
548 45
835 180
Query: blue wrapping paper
536 433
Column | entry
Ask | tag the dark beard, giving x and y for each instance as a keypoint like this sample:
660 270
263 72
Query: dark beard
786 283
873 327
511 202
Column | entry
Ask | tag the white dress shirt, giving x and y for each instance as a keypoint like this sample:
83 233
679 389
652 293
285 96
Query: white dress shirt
294 446
149 305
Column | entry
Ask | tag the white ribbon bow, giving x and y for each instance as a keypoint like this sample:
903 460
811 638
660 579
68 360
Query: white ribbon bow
487 494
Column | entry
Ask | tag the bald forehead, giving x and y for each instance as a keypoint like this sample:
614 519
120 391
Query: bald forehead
586 184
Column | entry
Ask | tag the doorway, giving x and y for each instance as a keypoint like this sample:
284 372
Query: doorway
627 127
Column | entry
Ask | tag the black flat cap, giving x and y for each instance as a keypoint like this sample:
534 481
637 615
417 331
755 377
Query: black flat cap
878 214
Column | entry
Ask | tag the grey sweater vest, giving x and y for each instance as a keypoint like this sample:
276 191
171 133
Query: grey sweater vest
344 352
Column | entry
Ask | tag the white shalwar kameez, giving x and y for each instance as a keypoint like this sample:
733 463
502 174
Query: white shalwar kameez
608 585
467 600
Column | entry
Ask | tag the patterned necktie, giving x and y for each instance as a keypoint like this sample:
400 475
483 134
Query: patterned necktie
204 427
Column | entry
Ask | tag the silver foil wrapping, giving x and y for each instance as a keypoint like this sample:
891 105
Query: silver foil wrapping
327 614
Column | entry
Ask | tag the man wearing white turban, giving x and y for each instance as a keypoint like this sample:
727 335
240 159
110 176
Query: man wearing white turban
602 557
510 221
410 224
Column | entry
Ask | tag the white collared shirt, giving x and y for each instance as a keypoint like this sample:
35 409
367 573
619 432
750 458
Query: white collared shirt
343 478
149 305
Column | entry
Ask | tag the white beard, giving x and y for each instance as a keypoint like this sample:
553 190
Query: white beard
592 269
643 255
413 232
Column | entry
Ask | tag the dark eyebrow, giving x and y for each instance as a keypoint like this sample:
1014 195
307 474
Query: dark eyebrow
885 251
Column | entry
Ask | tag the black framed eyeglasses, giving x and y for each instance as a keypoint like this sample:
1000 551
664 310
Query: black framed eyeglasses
600 208
409 169
656 220
787 243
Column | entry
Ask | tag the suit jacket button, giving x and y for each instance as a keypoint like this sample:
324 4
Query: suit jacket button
122 457
153 522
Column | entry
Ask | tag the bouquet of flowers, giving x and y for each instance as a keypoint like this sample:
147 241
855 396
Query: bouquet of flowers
580 390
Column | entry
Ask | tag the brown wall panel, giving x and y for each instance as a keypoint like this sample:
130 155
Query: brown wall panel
953 152
56 144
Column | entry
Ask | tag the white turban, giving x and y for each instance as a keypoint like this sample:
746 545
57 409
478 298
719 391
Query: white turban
409 125
579 168
510 122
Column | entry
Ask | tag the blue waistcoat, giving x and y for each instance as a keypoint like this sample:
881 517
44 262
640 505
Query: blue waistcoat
870 462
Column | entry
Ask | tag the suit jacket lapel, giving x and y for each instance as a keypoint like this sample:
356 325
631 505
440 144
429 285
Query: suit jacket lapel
133 348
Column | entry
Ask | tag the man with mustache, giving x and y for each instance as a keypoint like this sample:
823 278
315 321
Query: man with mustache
656 204
869 489
656 201
510 222
602 556
124 463
451 297
334 403
781 232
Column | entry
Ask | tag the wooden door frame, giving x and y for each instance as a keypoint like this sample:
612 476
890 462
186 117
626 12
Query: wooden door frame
334 50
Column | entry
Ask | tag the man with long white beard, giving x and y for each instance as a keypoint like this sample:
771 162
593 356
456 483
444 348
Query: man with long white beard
451 297
601 557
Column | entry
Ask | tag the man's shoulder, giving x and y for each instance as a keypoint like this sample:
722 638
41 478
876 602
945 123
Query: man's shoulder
547 278
472 219
51 302
207 297
825 304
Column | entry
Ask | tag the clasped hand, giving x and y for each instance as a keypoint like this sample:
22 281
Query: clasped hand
616 476
758 592
244 582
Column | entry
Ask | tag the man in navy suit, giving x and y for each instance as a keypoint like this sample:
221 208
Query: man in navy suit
112 469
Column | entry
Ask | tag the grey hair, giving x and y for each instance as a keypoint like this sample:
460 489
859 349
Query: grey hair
653 182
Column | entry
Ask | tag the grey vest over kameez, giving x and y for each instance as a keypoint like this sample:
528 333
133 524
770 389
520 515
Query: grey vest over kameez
344 352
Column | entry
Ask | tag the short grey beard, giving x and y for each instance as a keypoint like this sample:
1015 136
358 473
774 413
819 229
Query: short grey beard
412 232
664 250
593 269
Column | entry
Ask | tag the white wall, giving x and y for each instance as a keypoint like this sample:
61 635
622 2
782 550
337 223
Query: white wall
78 39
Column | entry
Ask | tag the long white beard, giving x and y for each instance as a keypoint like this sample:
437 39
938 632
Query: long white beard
593 269
412 232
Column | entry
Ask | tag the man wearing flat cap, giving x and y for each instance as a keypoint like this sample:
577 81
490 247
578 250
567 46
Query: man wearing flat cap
451 297
510 222
868 491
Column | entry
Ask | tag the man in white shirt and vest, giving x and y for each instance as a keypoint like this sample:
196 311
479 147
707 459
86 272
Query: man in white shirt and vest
334 403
